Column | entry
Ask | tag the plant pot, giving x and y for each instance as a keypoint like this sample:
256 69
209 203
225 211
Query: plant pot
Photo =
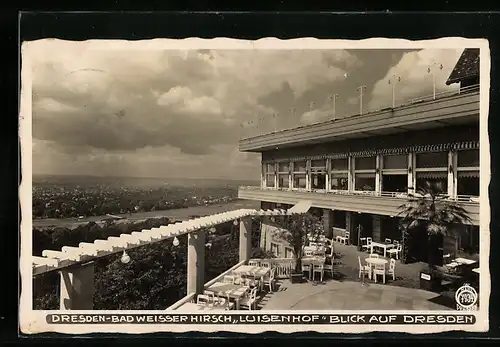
430 281
296 277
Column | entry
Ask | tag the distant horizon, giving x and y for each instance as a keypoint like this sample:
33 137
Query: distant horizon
142 177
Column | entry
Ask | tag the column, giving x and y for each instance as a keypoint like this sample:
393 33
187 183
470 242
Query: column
378 174
308 175
245 238
262 176
77 287
196 262
328 184
328 222
411 173
275 175
377 228
290 176
452 174
350 174
349 224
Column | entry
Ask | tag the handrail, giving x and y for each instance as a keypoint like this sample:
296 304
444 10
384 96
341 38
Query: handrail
398 195
184 300
406 102
221 276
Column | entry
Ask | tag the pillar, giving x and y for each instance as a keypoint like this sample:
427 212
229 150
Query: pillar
308 175
350 175
196 262
349 225
328 222
452 174
77 287
328 183
377 227
411 173
378 174
245 238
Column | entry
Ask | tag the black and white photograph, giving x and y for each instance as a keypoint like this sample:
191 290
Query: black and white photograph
232 178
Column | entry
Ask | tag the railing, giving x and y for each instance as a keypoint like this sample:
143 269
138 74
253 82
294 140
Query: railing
221 276
188 298
399 195
406 102
283 266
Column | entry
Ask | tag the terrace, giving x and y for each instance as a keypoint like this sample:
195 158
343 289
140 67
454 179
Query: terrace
341 288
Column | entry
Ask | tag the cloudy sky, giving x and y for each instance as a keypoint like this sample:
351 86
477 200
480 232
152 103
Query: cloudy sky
171 113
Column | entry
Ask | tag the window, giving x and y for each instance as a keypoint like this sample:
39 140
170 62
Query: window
364 174
283 175
339 174
318 174
432 168
269 170
468 172
275 249
299 174
395 173
288 252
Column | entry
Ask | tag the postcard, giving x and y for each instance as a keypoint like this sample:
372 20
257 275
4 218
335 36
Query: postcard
211 185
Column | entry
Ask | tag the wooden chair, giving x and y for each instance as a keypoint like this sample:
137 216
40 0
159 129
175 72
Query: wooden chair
397 251
269 281
318 268
307 268
203 299
374 255
392 269
368 246
364 269
344 239
388 241
249 300
253 262
229 279
379 270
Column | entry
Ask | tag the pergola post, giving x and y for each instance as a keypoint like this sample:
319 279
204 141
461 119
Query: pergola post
196 262
245 238
328 222
77 287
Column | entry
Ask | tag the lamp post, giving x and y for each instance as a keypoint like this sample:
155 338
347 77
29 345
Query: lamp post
360 90
433 72
332 98
392 81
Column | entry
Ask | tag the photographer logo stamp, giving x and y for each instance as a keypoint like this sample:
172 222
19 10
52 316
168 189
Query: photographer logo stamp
466 298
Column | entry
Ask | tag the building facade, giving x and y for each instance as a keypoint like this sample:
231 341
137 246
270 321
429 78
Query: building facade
357 171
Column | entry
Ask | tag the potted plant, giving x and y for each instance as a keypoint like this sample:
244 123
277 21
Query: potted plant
432 212
295 229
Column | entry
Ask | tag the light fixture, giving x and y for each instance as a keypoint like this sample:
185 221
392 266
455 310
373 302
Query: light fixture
213 230
235 222
125 259
175 242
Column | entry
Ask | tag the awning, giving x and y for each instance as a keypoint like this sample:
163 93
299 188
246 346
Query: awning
302 206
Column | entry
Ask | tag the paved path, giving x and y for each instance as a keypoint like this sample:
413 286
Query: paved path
348 295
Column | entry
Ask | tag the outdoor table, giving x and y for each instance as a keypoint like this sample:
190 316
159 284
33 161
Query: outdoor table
313 260
234 291
315 249
464 261
384 245
375 261
192 307
255 271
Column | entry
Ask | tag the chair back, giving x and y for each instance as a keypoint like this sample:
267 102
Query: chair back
347 234
388 240
308 253
229 279
396 242
400 247
203 299
318 267
319 253
253 262
392 265
272 274
359 262
266 264
374 255
368 241
379 267
313 244
253 293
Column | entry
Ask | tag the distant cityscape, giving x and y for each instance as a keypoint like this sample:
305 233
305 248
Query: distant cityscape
83 196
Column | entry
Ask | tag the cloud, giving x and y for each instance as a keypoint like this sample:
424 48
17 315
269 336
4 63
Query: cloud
415 80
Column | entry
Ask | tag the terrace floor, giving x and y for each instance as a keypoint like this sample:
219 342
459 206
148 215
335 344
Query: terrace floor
349 295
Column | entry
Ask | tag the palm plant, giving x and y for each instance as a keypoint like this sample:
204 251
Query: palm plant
296 229
434 212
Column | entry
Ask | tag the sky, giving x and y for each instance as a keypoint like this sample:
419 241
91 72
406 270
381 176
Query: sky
172 113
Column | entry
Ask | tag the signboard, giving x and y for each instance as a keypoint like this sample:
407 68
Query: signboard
425 277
